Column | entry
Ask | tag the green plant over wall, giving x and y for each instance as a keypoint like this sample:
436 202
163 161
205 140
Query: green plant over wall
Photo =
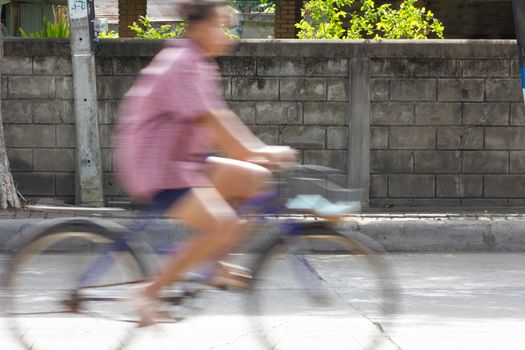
58 28
109 35
145 30
362 19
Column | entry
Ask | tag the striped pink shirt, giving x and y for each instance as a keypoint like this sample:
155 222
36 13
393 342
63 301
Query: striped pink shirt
159 141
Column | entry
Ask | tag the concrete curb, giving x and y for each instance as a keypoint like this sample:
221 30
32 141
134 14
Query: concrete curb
459 234
397 232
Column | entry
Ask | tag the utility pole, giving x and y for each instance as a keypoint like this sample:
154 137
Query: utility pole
89 170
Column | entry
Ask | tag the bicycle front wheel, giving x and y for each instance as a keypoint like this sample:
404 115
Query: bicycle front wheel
321 289
47 304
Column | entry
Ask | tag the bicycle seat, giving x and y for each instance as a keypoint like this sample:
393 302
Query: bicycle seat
322 206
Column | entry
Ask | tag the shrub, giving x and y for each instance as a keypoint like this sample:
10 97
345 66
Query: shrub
59 28
344 19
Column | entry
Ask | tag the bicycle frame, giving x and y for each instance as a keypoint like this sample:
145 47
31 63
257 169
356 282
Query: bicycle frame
261 206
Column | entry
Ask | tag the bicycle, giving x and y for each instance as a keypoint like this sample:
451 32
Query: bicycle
99 262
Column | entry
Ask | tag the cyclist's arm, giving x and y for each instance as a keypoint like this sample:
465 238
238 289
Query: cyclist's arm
233 136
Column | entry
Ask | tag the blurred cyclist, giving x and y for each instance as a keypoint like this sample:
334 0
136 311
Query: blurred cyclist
170 121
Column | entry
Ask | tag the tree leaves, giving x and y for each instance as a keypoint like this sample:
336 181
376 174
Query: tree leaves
330 19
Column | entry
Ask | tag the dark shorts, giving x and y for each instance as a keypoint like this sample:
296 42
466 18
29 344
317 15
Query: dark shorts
166 198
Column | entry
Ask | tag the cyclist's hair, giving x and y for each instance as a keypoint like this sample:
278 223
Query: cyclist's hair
194 11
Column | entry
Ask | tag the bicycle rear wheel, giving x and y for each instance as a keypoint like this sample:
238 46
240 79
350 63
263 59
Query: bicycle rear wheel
321 289
45 305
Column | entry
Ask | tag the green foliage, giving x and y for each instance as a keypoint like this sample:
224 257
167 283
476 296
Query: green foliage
109 35
344 19
59 28
146 31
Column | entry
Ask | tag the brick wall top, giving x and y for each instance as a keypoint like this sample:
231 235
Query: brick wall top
287 48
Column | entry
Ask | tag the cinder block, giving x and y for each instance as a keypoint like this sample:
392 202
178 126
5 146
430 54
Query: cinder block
378 186
436 68
258 89
392 113
23 86
104 65
237 66
331 158
460 90
391 67
391 202
413 90
55 159
20 159
483 162
412 137
504 186
53 112
17 111
244 110
112 186
52 65
504 90
517 114
436 202
64 88
459 185
113 87
484 202
337 90
105 134
29 135
483 68
379 90
4 87
326 67
16 65
437 161
337 137
514 68
459 138
279 113
505 138
35 184
127 65
268 134
107 159
486 114
303 137
104 112
65 184
115 107
517 162
326 113
386 161
303 89
378 137
226 88
411 186
438 113
280 66
66 136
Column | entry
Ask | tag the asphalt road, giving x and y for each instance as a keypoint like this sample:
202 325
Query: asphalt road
446 301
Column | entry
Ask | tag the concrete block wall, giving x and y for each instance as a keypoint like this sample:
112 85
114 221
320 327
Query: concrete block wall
437 123
446 132
293 101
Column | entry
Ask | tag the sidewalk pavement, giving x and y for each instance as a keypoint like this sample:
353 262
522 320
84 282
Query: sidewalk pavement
401 230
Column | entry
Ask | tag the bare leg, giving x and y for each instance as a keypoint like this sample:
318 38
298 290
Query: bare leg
216 223
206 211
